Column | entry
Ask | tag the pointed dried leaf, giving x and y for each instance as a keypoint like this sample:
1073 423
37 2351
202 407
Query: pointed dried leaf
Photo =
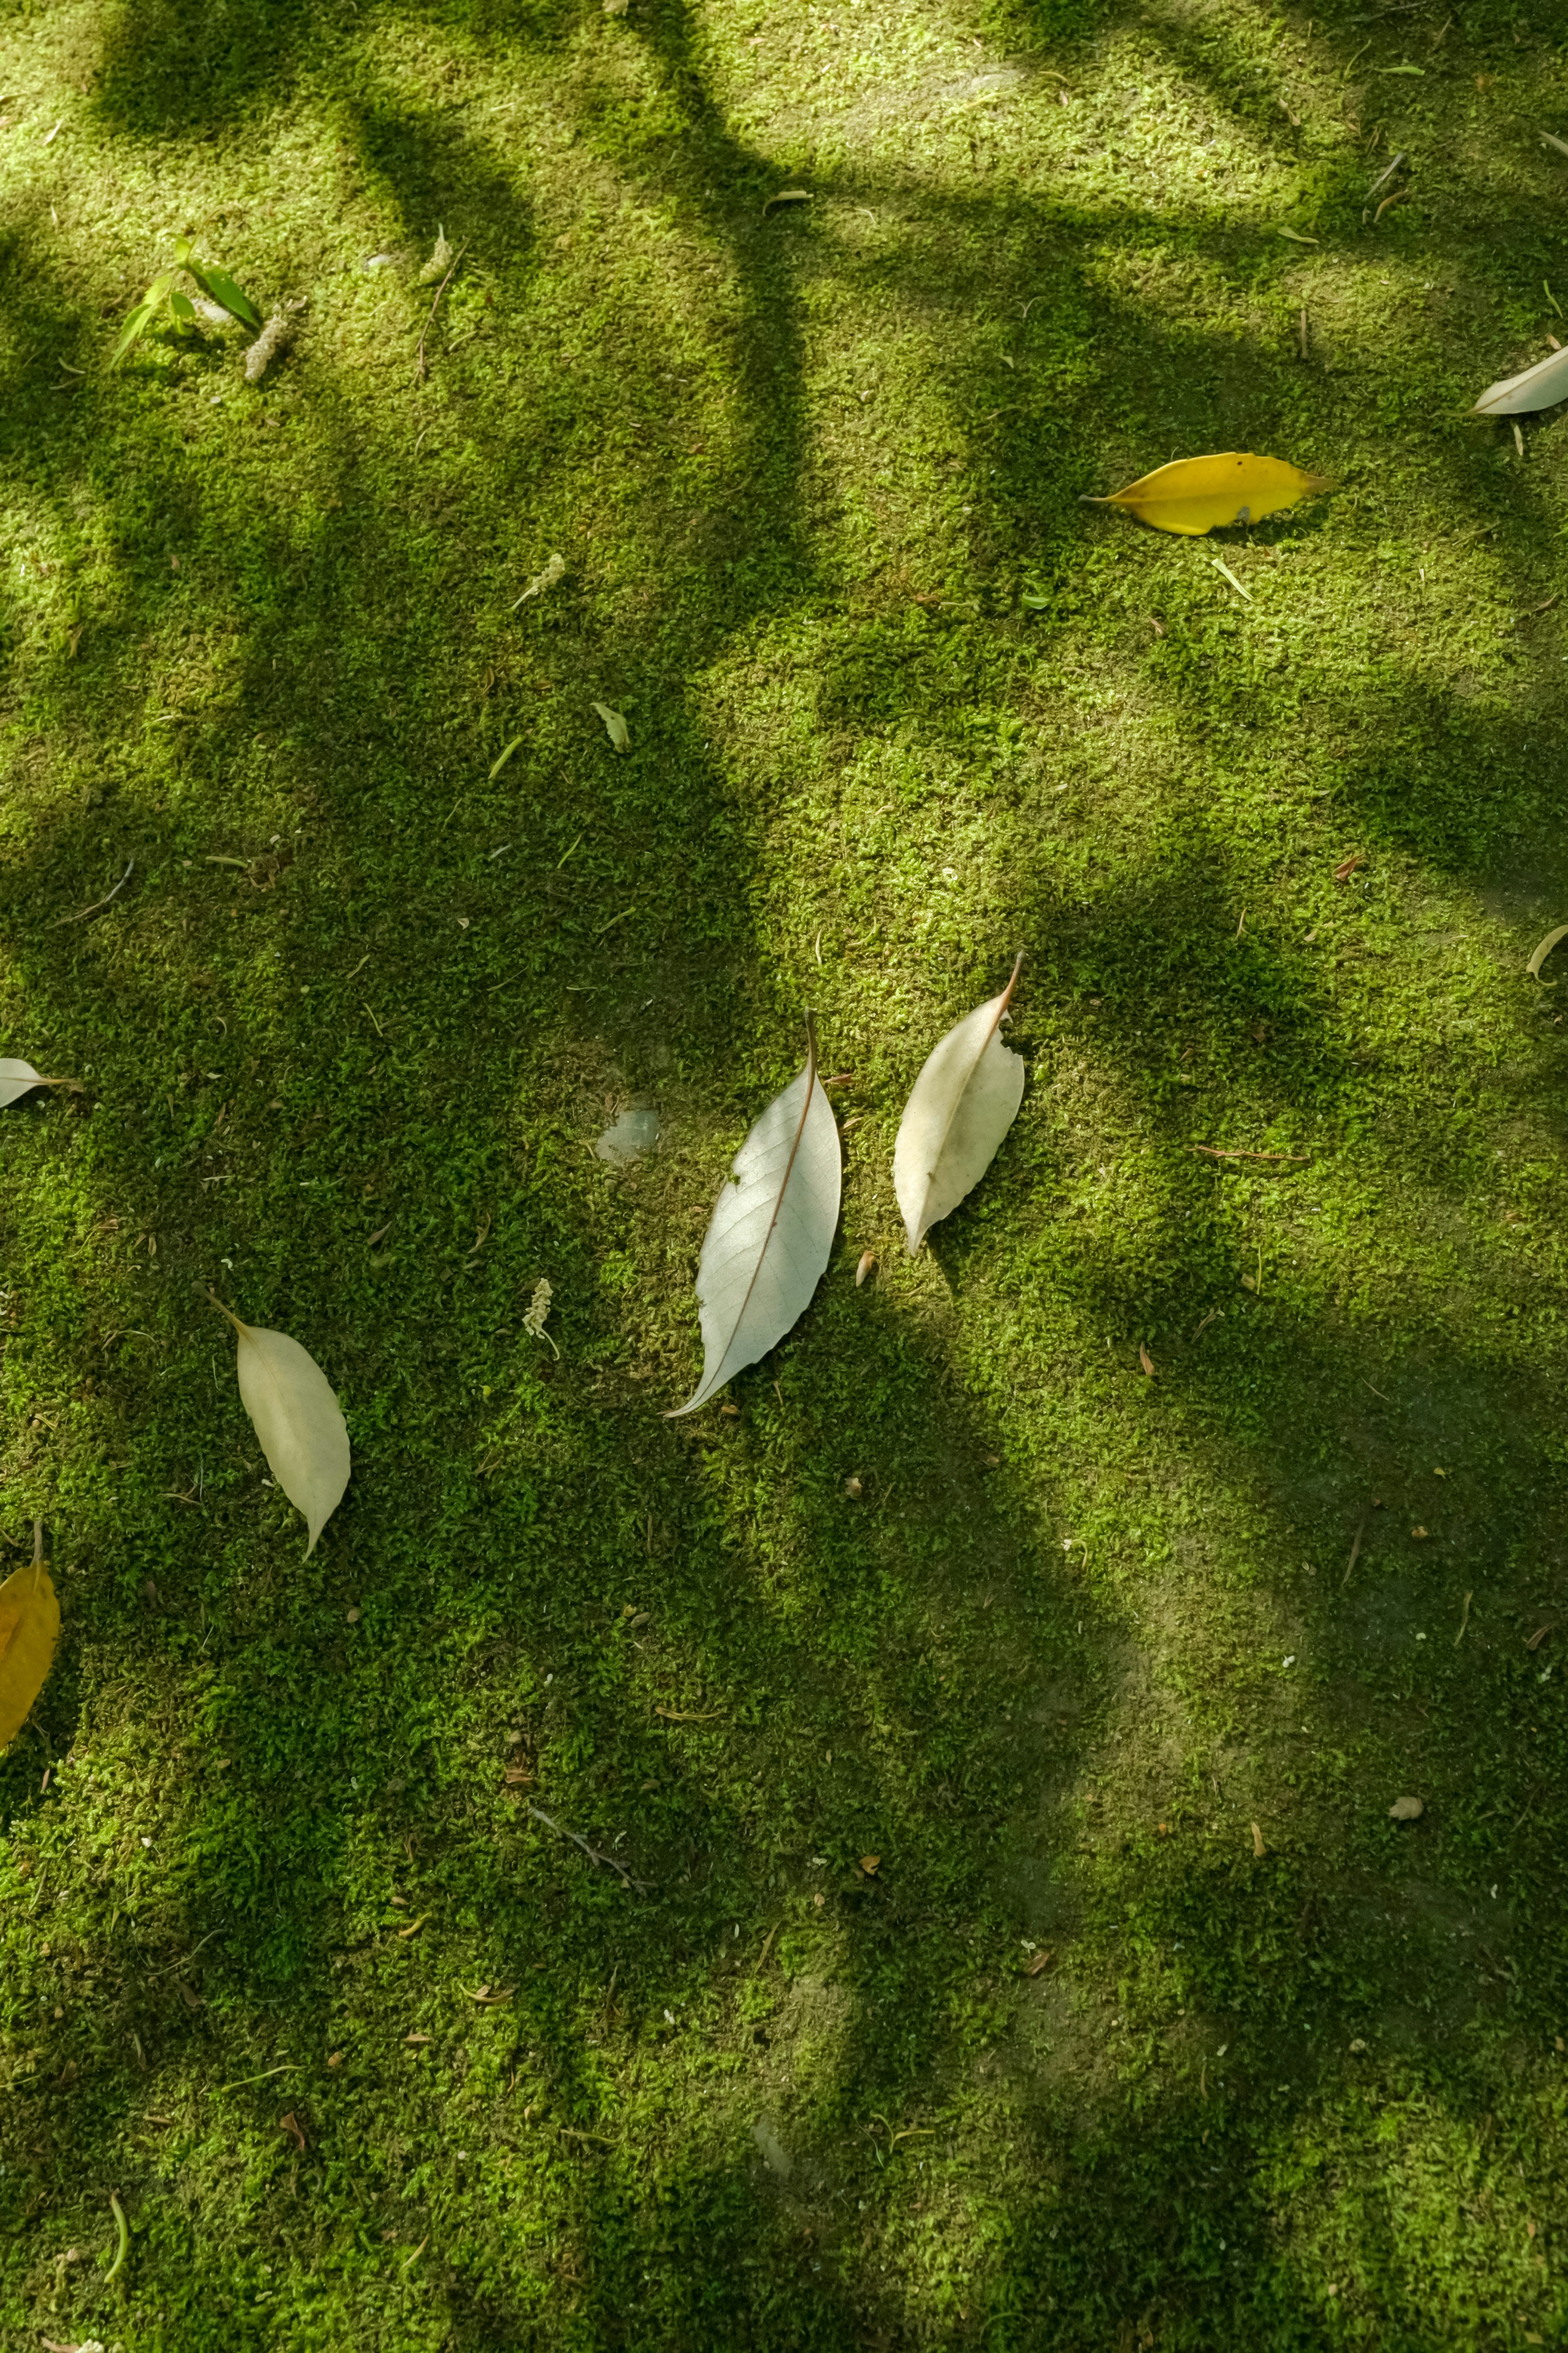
1193 495
1540 386
615 727
296 1418
20 1078
440 256
964 1103
788 196
29 1628
1532 967
768 1243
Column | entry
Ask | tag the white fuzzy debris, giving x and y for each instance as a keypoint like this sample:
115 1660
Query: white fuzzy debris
274 337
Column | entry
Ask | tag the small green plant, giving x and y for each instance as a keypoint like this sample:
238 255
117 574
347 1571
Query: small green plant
165 304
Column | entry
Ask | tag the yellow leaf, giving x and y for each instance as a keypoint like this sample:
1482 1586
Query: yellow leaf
1197 494
29 1628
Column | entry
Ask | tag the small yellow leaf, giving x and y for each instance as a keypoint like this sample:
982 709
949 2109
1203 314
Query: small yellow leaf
788 197
1193 495
1544 950
1257 1845
29 1628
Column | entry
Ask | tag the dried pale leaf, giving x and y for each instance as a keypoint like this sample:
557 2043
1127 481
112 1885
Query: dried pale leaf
538 1313
615 727
1257 1845
20 1078
1407 1809
1552 141
29 1628
1532 967
1145 1359
296 1418
1296 237
767 1245
1193 495
555 570
788 196
440 256
1540 386
868 1260
964 1103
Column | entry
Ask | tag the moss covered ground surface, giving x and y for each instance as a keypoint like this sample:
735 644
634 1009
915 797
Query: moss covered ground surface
1018 1950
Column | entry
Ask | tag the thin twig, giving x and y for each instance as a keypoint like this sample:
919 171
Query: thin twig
1356 1554
420 370
1464 1620
1301 332
183 1963
1383 177
1217 1151
97 905
608 1861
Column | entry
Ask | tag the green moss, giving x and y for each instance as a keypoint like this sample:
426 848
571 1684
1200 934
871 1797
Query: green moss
899 703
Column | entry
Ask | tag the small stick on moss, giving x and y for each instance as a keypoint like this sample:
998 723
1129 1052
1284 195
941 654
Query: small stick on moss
119 2212
97 905
1219 1152
1384 178
1464 1620
420 371
608 1860
1356 1554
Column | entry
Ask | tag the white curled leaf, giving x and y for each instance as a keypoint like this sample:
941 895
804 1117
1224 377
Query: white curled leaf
296 1416
1540 386
20 1079
964 1103
615 727
767 1245
1533 967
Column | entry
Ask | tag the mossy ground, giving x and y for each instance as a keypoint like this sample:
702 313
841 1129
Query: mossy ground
898 704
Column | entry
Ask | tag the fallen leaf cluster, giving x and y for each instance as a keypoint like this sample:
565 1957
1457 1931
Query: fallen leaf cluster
768 1243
